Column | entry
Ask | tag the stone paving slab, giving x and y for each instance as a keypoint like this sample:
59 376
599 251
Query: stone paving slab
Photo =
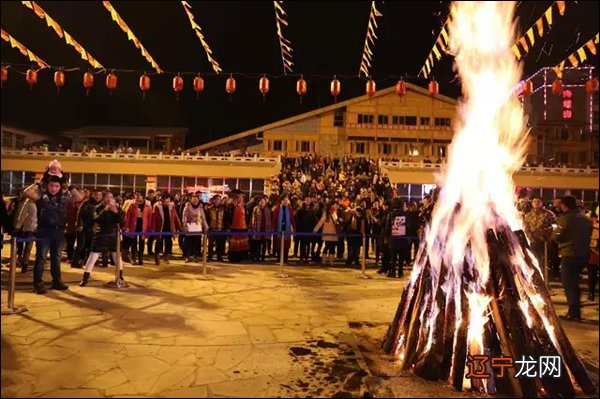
244 334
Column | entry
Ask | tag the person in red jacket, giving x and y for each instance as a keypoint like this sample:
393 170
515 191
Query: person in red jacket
164 220
138 219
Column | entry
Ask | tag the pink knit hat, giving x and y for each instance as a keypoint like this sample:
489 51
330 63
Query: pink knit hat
55 164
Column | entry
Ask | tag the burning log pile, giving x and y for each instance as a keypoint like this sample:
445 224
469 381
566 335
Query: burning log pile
476 289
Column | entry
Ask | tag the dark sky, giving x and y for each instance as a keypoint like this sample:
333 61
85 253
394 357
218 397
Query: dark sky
327 37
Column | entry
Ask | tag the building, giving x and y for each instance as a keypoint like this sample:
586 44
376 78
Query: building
415 125
145 139
564 123
14 138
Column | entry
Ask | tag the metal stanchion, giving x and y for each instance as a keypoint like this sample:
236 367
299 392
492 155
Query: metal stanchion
119 282
205 276
281 274
363 261
11 308
546 276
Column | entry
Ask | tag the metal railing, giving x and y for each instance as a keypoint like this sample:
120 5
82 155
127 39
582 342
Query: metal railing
531 169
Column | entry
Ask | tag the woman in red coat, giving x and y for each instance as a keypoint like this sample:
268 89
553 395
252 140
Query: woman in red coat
165 220
137 220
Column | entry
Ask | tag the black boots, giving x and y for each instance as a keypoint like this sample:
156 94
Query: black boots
156 260
59 285
86 278
121 275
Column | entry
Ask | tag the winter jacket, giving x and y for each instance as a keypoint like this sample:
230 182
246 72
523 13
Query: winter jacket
573 234
157 223
27 218
193 215
132 213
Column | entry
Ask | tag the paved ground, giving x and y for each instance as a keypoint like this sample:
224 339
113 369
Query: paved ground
246 333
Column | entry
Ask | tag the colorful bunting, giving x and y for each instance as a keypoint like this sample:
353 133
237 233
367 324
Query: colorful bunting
24 50
188 10
130 35
284 44
579 56
439 47
62 33
367 56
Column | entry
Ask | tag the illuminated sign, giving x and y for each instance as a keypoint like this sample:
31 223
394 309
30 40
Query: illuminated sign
567 104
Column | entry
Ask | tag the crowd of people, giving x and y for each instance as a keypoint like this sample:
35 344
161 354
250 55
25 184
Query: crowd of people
326 209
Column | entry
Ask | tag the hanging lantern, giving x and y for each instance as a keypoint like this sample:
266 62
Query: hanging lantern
177 85
88 82
557 87
591 86
230 86
4 75
198 85
144 84
111 82
527 88
59 79
31 77
371 88
301 87
434 88
336 88
263 86
401 88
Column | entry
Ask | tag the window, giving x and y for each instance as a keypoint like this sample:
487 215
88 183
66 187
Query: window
19 141
338 118
442 121
397 120
277 145
385 148
442 151
425 121
365 119
413 150
360 148
305 146
7 139
410 120
383 119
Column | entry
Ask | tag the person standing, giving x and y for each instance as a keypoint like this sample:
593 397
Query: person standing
355 225
164 220
71 230
238 243
52 212
26 224
396 227
305 223
413 231
216 214
194 223
283 223
152 197
138 218
84 227
573 235
538 228
107 219
330 225
260 223
594 255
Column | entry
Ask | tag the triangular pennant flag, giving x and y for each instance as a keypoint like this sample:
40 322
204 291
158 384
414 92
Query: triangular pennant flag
68 39
558 72
4 35
186 4
38 10
377 13
582 54
278 7
573 60
52 23
531 36
427 65
444 34
524 44
441 43
596 38
430 59
540 27
517 52
437 52
425 73
548 15
561 7
591 46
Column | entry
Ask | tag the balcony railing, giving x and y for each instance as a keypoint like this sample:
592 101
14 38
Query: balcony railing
525 169
138 157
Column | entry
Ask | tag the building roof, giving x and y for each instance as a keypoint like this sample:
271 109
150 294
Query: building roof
26 132
319 111
125 131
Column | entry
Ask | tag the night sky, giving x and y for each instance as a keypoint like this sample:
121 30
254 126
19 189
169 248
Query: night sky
327 38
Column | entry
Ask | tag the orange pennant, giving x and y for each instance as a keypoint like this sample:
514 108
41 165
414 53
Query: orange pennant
573 60
540 27
561 7
591 46
524 44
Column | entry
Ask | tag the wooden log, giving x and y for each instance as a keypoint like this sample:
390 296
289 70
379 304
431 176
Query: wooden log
457 374
415 323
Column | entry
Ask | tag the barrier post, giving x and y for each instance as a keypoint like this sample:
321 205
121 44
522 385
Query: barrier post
546 276
205 275
363 259
11 308
281 274
119 282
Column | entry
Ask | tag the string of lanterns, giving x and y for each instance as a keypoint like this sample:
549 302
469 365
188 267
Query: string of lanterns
198 84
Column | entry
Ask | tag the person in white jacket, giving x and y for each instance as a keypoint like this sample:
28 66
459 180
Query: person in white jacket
193 221
26 225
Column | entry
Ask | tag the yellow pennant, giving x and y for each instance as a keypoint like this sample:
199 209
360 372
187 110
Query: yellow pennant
549 16
582 54
517 52
441 43
531 36
445 34
437 52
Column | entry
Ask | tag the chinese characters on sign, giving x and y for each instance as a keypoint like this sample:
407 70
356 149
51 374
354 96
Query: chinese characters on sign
567 104
546 366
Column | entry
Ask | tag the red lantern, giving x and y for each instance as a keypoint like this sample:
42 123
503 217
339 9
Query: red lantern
301 87
336 88
31 77
401 88
88 82
434 88
557 87
59 80
4 75
263 86
144 84
198 85
111 82
591 86
177 85
527 88
230 85
371 88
